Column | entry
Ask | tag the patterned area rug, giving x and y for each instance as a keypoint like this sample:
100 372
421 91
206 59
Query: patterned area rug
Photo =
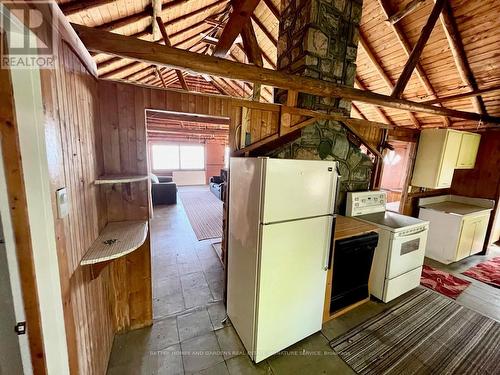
426 333
204 212
443 282
487 272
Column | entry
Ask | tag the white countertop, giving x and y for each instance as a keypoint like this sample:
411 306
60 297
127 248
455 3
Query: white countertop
456 208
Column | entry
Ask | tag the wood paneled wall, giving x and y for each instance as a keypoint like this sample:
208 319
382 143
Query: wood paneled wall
121 149
71 107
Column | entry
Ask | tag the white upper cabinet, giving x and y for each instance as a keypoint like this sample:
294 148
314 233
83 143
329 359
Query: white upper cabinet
468 150
440 152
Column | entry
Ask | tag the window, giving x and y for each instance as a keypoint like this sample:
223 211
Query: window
192 157
226 157
178 157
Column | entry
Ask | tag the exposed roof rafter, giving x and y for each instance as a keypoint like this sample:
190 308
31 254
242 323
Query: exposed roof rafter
154 53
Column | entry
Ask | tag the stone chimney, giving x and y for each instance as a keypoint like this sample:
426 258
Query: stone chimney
319 39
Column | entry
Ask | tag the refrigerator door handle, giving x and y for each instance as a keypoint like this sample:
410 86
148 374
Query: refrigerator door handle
329 256
337 188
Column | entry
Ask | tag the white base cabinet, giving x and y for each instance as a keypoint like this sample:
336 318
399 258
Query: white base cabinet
457 228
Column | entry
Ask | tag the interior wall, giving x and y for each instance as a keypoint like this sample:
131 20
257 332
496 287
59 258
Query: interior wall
70 98
214 159
121 149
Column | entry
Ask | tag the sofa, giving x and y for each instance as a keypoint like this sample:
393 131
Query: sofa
216 185
163 190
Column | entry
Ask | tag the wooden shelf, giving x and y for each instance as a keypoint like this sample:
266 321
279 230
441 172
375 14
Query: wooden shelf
119 179
116 240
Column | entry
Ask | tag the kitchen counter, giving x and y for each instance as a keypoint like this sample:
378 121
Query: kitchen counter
345 227
456 208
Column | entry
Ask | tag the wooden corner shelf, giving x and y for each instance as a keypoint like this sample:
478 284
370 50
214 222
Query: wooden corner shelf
119 179
116 240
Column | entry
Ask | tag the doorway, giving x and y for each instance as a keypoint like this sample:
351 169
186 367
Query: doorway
395 173
187 161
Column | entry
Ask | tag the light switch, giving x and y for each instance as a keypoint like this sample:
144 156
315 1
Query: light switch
62 203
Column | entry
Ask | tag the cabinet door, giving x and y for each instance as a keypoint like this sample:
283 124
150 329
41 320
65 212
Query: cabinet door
468 151
449 160
466 238
481 225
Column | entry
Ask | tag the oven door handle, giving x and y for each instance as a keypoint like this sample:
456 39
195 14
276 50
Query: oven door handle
412 234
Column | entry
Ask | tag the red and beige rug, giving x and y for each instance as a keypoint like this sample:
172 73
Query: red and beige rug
443 282
203 210
487 272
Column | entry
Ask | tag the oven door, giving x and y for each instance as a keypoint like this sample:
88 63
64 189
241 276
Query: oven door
406 252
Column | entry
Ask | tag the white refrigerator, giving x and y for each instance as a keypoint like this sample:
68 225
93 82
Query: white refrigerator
281 218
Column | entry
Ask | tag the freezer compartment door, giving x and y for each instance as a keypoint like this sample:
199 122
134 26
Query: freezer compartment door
295 189
292 283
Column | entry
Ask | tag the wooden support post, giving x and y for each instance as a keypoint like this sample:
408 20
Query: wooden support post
156 7
242 11
417 50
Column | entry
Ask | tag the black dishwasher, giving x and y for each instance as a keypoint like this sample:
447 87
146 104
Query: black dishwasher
352 262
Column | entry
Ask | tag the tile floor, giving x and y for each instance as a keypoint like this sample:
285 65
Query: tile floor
188 336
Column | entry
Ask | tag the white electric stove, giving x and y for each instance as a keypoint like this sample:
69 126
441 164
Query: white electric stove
399 256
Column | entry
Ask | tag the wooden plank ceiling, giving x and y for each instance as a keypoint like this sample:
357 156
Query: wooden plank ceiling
460 56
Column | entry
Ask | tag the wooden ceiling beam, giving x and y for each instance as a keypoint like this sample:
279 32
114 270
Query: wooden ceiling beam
154 53
77 6
381 72
417 49
157 70
187 131
264 29
146 15
406 10
121 69
172 36
136 75
166 41
242 11
188 117
379 111
356 110
459 55
405 44
464 95
274 10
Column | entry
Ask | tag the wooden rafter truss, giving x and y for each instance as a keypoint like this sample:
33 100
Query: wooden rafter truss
419 50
